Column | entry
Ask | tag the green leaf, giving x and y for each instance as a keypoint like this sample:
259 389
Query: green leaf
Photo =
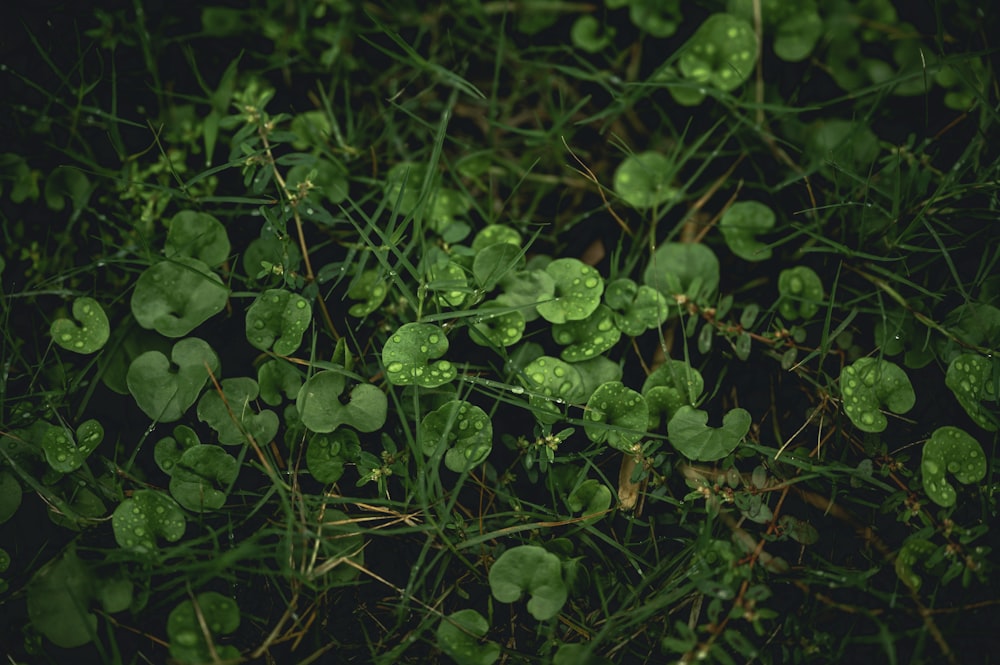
369 288
496 325
63 453
408 353
690 434
867 385
168 450
280 318
915 550
971 378
590 498
10 495
794 25
448 283
328 453
587 338
460 636
801 293
277 377
533 570
494 262
312 129
671 385
643 180
622 410
722 52
67 182
186 629
176 296
492 234
165 389
578 289
92 333
740 226
197 235
232 414
524 289
659 18
550 382
138 521
321 408
688 269
954 451
202 476
325 176
463 429
636 308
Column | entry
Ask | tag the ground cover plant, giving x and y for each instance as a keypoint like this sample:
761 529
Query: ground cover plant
612 332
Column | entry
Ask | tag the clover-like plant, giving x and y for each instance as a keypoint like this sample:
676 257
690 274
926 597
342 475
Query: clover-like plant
721 53
550 382
914 551
688 269
589 337
324 406
177 295
622 415
370 289
591 497
409 352
950 450
795 26
493 262
325 176
138 521
187 624
168 451
670 386
578 289
643 180
971 377
801 293
523 289
588 34
691 435
232 415
448 282
92 332
201 478
10 496
277 378
636 308
464 429
460 636
870 383
164 389
533 570
197 235
740 226
496 325
63 453
329 453
278 317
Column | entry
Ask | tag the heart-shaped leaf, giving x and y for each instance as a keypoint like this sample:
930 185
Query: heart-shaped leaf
867 385
10 495
186 629
321 409
578 289
63 453
463 429
92 333
325 177
277 378
232 414
492 234
448 283
370 289
197 235
671 385
801 293
140 520
794 26
971 378
622 412
682 268
722 52
589 337
740 226
408 353
494 262
165 389
496 325
202 477
636 308
280 318
327 454
690 434
169 450
950 450
643 180
460 636
551 382
523 289
590 498
914 551
533 570
176 296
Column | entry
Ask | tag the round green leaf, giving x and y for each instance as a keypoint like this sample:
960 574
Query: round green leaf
327 454
493 234
622 412
449 284
688 269
587 338
590 498
588 34
690 434
643 180
971 378
232 414
168 450
801 293
175 296
671 385
321 409
868 384
578 289
496 326
10 495
63 453
494 262
277 377
551 382
312 129
202 477
722 52
915 550
636 308
659 18
325 176
164 389
460 636
138 521
197 235
408 352
950 450
740 226
533 570
370 289
92 333
280 318
794 26
188 644
463 429
524 289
